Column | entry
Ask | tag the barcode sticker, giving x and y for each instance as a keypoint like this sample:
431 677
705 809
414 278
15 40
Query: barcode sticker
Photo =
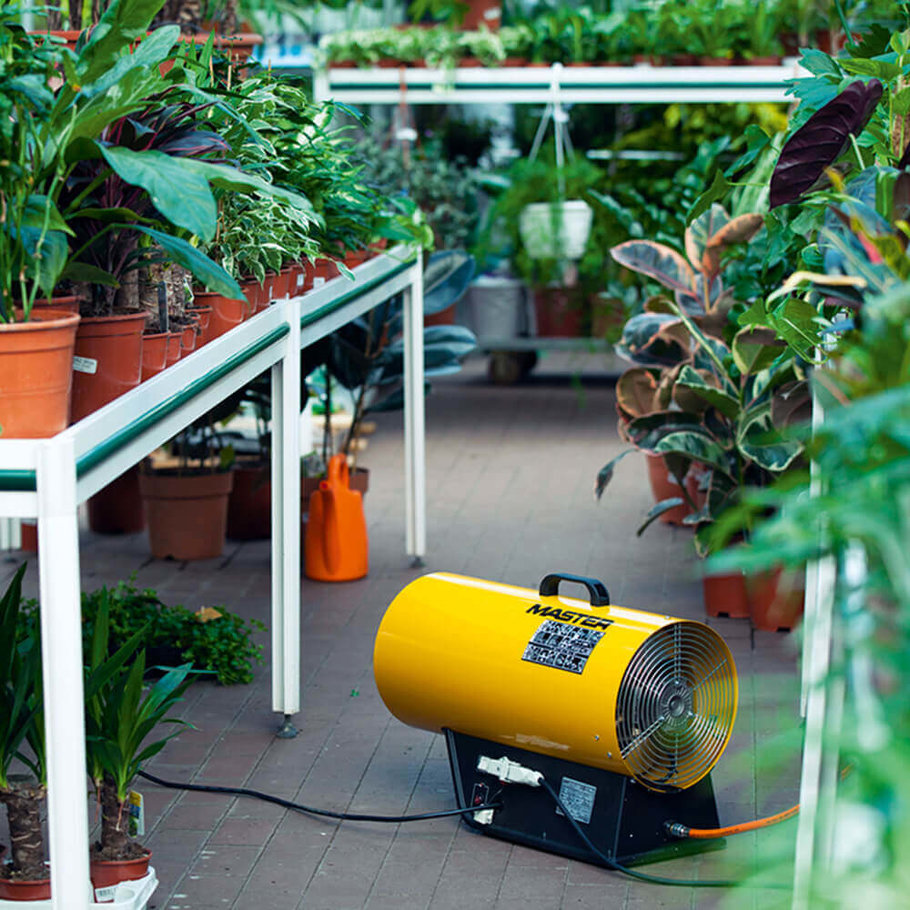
85 365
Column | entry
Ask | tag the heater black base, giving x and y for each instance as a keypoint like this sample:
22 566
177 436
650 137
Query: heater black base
623 819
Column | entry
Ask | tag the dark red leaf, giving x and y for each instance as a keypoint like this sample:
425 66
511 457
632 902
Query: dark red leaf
819 142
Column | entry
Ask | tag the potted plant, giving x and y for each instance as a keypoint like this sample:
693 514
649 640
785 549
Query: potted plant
25 876
122 714
36 344
186 500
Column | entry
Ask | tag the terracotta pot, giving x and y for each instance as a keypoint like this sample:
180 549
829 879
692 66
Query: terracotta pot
36 374
358 479
107 873
324 270
28 530
111 348
249 515
203 316
187 514
482 13
252 290
514 61
776 601
188 339
443 317
225 313
296 279
285 282
268 291
68 302
117 508
697 472
557 316
238 47
353 258
726 595
174 349
664 486
154 354
15 890
67 35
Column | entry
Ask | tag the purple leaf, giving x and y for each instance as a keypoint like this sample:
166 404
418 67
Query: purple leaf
819 142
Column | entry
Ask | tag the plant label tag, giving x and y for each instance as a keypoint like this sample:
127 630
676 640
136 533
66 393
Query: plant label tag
318 281
137 814
493 12
85 365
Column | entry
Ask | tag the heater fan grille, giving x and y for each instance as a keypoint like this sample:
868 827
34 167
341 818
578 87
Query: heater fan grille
676 705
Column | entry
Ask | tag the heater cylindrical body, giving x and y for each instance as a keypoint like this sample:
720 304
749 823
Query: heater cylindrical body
639 694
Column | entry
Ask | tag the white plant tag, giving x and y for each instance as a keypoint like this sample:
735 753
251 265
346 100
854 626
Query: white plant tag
85 365
137 814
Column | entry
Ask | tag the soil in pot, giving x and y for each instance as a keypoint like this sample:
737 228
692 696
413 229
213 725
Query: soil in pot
23 889
186 512
36 374
105 873
249 514
109 352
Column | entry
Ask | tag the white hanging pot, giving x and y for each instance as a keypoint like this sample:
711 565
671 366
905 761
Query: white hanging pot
556 230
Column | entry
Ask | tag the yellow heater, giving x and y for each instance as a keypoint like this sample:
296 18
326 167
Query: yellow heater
643 695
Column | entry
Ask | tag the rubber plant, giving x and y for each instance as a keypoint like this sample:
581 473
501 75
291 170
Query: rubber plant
122 716
660 343
21 725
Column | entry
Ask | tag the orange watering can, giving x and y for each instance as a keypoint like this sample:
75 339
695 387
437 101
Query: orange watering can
336 543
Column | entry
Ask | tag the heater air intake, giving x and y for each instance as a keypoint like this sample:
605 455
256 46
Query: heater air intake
642 695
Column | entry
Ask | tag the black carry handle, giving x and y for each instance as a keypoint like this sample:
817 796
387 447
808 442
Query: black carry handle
600 596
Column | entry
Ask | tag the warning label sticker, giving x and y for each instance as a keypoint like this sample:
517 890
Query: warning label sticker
578 798
565 647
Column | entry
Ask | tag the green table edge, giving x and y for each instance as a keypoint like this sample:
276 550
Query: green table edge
358 290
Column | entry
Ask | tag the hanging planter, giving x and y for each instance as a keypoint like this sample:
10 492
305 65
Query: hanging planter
556 230
36 374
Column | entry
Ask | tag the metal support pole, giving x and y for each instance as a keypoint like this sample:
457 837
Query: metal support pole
286 524
414 424
61 653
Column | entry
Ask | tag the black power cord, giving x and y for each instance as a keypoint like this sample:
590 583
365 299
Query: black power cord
309 810
633 873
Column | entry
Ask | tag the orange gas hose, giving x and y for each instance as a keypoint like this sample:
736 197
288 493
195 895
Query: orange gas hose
679 830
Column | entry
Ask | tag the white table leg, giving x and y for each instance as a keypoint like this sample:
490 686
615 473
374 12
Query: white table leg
414 423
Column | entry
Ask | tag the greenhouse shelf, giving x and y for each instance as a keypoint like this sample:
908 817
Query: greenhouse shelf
555 85
638 84
48 478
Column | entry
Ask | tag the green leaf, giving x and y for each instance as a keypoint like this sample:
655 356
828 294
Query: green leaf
760 442
723 401
699 446
714 193
658 509
605 474
151 51
881 69
182 195
85 271
755 348
208 273
656 261
122 23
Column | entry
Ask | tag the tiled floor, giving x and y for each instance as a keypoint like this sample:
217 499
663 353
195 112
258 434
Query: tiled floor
510 477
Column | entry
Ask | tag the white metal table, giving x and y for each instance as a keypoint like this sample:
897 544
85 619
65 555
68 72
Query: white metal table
47 479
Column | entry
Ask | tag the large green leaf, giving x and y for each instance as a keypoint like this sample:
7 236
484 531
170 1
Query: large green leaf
656 261
122 23
760 442
636 392
698 445
605 474
726 403
181 194
206 271
150 52
755 348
